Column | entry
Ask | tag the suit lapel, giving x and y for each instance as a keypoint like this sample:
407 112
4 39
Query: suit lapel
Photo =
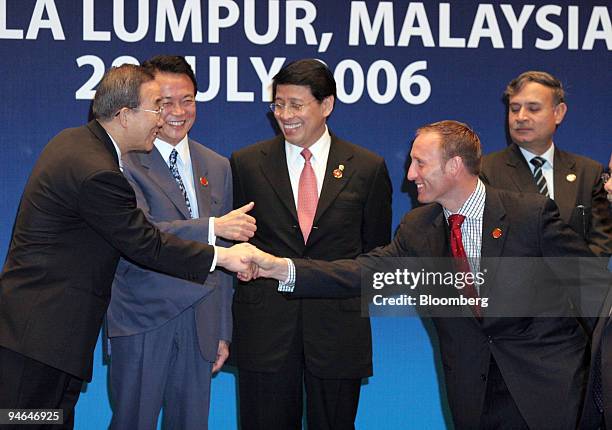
160 174
274 168
200 174
438 237
523 178
494 220
565 191
95 127
339 153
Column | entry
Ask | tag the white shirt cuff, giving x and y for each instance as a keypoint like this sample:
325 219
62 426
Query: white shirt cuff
213 265
288 285
212 239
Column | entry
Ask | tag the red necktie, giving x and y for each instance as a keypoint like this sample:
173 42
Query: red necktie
458 251
308 196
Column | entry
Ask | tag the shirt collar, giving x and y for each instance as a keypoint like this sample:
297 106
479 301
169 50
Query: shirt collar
474 205
118 151
549 155
182 148
318 149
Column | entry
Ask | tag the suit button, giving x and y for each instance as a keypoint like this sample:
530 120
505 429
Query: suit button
483 377
490 339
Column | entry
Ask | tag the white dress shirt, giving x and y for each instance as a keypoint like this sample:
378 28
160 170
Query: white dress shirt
118 151
471 229
295 162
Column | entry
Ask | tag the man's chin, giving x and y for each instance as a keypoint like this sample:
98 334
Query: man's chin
423 200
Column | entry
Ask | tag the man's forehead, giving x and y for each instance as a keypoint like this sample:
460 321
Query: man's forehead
151 90
532 90
426 143
292 91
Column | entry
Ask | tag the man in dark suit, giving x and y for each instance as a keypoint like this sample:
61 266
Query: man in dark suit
597 412
532 163
500 373
169 335
316 196
77 215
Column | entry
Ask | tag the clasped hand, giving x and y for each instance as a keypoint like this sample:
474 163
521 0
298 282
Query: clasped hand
249 262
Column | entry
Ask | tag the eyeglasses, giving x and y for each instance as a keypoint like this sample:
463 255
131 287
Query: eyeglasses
157 112
292 108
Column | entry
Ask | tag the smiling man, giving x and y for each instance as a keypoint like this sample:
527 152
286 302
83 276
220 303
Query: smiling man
317 196
169 335
500 372
77 215
533 163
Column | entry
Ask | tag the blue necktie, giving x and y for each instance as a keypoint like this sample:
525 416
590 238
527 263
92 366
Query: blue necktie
177 176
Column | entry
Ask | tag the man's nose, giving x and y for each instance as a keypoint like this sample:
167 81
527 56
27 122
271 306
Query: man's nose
411 175
521 115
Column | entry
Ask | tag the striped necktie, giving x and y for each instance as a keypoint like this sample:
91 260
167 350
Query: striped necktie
540 180
177 177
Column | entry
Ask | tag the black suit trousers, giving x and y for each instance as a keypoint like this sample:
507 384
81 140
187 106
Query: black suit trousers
29 384
331 404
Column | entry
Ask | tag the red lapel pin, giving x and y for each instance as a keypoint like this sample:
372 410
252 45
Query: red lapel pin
496 233
204 181
338 172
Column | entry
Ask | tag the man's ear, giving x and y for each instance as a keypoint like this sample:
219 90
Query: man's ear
123 115
328 105
560 111
454 165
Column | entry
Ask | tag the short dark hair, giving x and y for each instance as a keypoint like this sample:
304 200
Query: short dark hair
541 78
308 72
171 64
458 140
119 88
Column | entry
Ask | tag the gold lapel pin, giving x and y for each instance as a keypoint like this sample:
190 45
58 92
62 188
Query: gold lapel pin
496 233
571 177
338 172
204 181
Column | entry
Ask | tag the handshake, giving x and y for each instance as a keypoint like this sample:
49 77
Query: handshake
249 262
245 259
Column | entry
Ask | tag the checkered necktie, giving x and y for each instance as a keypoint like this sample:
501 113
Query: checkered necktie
308 196
177 176
540 180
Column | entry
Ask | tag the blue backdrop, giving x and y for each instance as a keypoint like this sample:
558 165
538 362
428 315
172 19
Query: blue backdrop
398 64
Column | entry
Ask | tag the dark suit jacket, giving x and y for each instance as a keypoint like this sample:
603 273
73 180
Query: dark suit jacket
602 344
143 300
582 203
542 360
77 214
353 216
